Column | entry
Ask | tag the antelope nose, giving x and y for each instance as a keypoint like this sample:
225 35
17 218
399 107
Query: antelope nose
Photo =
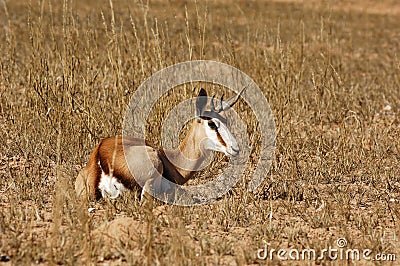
235 149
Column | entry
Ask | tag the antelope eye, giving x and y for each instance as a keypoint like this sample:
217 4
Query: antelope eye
212 125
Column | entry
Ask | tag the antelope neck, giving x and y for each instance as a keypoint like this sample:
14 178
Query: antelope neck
189 155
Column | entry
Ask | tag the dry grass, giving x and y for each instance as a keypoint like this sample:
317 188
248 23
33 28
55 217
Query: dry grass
67 71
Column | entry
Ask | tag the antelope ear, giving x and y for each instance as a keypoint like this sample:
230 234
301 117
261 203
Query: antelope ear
201 102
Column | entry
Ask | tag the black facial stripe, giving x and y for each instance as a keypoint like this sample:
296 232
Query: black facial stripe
215 128
212 125
207 115
220 138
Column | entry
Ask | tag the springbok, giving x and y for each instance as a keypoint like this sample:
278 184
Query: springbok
107 172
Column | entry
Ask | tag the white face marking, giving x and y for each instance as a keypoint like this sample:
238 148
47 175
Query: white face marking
110 187
231 147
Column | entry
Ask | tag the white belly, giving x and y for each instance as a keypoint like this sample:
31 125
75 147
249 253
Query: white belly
110 187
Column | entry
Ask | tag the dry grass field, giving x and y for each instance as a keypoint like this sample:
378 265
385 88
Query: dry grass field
330 71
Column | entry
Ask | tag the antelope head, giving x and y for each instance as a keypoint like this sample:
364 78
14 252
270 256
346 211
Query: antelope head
213 122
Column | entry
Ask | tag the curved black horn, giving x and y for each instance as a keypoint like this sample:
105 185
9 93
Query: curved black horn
231 101
212 103
221 103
